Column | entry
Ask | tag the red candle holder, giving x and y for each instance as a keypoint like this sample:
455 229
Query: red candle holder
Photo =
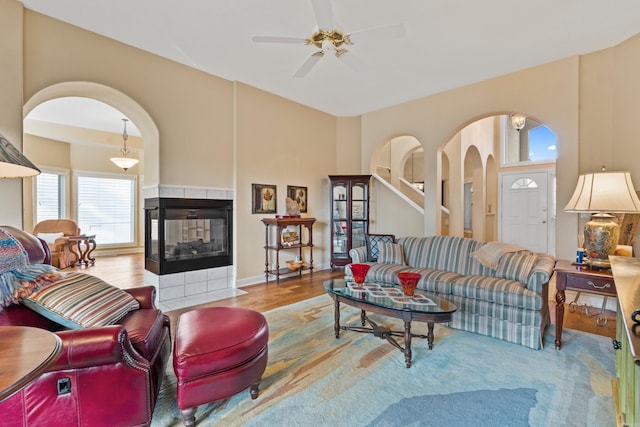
359 272
409 282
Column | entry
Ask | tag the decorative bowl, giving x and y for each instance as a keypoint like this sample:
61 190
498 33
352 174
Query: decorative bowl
294 265
409 282
359 272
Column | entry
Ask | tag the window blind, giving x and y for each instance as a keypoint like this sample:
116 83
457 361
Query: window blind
106 208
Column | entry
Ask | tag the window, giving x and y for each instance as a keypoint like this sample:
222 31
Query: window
535 143
50 196
523 183
106 207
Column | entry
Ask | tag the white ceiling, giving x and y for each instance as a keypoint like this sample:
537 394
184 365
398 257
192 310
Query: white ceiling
81 112
448 43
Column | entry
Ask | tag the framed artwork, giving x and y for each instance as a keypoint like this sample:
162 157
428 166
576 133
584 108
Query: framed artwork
264 199
299 194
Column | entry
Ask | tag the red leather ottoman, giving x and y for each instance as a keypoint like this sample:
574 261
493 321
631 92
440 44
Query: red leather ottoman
218 352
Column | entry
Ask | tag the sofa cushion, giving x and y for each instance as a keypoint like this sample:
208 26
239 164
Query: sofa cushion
497 290
516 266
444 253
390 253
81 301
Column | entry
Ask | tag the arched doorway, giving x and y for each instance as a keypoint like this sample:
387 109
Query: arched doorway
476 159
83 153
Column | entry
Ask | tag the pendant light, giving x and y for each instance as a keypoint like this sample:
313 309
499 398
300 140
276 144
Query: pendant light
124 162
518 121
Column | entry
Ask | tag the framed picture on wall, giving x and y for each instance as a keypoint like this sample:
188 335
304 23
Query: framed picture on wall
264 199
299 194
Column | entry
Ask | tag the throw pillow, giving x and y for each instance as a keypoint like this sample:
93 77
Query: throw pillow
372 244
50 238
390 253
516 266
81 301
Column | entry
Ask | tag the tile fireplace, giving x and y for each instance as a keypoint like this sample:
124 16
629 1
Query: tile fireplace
184 235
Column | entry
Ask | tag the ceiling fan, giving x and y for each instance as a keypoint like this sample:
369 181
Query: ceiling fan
331 40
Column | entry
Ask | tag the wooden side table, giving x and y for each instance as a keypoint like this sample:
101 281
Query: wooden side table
277 245
83 256
581 279
25 354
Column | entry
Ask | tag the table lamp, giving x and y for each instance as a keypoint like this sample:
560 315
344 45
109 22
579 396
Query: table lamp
13 164
602 194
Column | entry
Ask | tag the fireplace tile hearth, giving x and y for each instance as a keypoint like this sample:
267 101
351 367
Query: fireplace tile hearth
193 300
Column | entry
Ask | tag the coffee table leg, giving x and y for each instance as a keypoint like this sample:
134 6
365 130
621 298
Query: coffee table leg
363 317
407 343
430 335
336 316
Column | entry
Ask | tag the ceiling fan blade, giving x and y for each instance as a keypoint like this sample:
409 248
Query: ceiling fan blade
279 39
324 14
378 34
309 64
353 61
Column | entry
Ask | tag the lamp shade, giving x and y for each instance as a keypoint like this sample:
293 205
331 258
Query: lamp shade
124 162
13 164
604 192
600 193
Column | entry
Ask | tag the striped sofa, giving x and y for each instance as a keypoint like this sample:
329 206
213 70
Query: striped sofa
507 300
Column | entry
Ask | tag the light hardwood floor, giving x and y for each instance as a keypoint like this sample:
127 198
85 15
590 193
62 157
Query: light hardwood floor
126 271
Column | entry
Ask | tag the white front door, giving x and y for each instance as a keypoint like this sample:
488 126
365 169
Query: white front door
527 216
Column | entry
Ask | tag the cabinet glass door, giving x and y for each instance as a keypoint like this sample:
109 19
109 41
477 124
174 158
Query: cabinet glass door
340 201
340 247
359 202
358 231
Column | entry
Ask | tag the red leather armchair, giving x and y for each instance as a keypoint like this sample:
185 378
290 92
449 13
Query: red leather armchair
106 376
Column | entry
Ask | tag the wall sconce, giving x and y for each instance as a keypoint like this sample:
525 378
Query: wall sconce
124 162
13 164
518 121
598 193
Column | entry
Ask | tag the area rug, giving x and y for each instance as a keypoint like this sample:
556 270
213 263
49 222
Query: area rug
314 379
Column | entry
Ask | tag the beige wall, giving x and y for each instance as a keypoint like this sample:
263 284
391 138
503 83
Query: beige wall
11 103
282 143
390 214
549 93
348 146
610 112
192 110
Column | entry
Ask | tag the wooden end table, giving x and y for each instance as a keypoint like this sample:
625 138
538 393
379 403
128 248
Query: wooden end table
580 278
25 354
83 256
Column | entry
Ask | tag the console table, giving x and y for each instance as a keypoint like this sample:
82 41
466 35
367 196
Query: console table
83 256
579 278
278 245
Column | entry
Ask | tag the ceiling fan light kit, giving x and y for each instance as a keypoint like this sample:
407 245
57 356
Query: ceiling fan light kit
331 40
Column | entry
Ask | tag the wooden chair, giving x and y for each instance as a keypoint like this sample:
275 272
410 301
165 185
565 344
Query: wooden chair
50 231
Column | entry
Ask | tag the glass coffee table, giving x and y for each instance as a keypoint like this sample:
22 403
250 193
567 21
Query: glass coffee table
389 301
